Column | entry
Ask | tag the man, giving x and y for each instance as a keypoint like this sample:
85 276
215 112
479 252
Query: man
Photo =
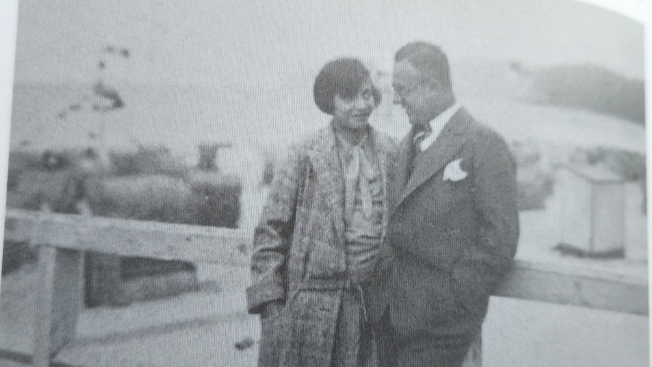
454 226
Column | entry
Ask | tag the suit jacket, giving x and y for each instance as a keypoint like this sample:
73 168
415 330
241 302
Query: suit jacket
299 254
453 240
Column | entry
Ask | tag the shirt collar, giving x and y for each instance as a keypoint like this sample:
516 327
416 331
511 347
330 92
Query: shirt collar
437 125
346 147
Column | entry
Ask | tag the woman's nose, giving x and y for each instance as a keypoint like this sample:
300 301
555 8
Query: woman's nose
362 103
397 98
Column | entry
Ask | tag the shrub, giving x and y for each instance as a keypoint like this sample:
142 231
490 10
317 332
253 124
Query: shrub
205 198
147 160
15 254
35 186
36 161
19 162
209 199
628 165
216 199
534 183
154 197
532 194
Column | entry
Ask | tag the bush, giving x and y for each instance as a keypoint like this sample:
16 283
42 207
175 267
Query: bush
15 254
155 197
148 161
628 165
19 162
36 186
209 199
526 152
216 199
532 194
35 161
534 183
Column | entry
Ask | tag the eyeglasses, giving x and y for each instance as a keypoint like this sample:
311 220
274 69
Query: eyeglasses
401 91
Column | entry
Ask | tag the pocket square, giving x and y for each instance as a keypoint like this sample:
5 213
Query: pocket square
454 171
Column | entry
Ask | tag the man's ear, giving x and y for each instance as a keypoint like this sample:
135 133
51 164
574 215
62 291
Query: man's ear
436 85
433 84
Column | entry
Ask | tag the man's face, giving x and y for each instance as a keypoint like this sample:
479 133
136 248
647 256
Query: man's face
417 97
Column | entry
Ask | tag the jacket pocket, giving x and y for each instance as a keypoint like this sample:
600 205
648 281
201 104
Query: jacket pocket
324 261
424 299
443 304
313 319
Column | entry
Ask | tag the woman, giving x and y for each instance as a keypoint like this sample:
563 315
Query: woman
319 236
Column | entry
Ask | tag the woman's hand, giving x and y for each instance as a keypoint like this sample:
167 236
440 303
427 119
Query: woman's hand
271 309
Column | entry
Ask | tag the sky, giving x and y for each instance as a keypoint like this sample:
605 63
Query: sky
259 44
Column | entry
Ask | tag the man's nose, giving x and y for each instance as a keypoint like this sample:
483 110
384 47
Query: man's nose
397 98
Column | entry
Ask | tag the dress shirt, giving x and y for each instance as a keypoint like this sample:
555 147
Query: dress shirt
437 125
363 206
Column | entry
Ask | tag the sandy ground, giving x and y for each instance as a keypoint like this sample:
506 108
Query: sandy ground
193 329
202 328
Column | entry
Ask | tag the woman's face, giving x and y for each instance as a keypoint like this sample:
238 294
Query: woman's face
353 113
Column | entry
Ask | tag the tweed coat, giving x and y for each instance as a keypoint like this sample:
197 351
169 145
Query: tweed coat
453 229
299 255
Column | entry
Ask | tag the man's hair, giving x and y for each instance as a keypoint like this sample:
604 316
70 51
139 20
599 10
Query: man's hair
341 77
428 59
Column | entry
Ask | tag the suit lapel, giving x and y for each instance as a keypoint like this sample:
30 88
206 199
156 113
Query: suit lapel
325 159
402 170
440 153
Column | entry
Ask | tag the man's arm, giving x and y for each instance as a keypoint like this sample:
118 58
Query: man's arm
272 237
484 264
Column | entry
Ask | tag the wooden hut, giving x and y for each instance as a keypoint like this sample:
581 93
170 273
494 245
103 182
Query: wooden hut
592 210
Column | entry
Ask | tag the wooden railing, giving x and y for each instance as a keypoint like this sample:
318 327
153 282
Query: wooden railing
61 239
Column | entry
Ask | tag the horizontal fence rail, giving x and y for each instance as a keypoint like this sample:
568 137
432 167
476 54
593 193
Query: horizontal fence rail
165 241
61 239
528 280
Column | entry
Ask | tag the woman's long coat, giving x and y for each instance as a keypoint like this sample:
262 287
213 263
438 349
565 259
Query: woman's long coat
299 255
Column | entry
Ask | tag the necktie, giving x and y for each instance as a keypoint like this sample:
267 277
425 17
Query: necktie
420 135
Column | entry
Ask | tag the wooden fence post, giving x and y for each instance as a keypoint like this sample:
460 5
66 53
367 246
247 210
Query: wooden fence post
58 299
103 285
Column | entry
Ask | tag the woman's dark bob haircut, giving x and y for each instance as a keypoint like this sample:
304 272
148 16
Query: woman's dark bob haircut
342 77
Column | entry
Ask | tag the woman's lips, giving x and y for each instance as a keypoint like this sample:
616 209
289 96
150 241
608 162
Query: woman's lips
361 115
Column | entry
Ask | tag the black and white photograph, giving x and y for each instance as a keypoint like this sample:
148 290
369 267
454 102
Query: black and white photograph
326 183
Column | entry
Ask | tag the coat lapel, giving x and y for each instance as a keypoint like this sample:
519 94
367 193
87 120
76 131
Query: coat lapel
325 159
401 176
386 173
440 153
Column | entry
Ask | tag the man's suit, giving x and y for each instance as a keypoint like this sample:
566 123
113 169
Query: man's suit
453 231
